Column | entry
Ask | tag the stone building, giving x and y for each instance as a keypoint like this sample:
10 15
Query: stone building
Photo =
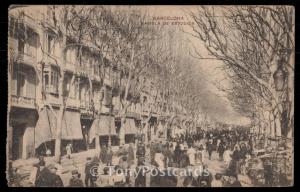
89 118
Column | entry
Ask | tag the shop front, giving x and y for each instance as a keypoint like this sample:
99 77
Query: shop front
45 131
21 133
103 127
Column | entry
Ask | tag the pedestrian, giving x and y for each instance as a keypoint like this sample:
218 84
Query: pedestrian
69 150
221 149
191 153
109 156
103 155
217 181
130 156
75 181
227 156
131 176
177 154
234 182
209 149
42 177
159 160
89 180
140 177
118 177
140 152
168 156
35 173
268 173
123 163
184 159
205 177
51 179
104 180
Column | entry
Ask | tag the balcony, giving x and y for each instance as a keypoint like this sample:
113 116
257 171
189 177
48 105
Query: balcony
86 109
52 99
27 57
24 102
133 115
73 103
82 70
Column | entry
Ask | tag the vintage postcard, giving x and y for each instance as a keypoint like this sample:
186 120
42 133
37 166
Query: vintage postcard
150 96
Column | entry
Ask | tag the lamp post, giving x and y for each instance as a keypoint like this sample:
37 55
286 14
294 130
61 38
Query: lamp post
110 118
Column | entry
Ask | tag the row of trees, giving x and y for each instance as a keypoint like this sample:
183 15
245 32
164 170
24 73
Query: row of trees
253 42
142 54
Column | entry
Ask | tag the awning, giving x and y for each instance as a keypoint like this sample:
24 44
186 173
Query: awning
130 127
45 129
101 127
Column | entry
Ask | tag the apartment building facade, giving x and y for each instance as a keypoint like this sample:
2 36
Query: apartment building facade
34 100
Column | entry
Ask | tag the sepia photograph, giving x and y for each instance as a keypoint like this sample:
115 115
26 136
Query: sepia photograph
150 96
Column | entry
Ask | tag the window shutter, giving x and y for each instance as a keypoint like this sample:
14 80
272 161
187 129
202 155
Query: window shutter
14 84
30 92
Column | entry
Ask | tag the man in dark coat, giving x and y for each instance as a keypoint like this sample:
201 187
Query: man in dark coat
140 180
221 150
209 149
184 159
75 181
49 178
42 177
140 152
89 180
205 178
177 154
103 155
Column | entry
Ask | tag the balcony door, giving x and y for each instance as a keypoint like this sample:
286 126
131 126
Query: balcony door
21 84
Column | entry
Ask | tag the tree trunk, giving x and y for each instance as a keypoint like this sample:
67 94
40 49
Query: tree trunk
59 119
122 129
290 90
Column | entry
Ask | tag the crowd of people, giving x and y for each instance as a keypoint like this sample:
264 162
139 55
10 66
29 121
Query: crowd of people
234 150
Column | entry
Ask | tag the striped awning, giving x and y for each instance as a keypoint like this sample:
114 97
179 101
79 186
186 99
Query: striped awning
45 129
105 125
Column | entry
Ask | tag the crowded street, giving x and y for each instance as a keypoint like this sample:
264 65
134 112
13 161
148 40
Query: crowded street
229 158
150 96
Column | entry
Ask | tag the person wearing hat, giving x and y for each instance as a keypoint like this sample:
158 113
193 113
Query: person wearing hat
54 180
88 175
184 159
49 178
75 181
41 177
37 169
105 180
217 182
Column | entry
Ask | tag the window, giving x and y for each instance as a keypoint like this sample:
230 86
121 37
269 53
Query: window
21 83
46 79
51 44
51 83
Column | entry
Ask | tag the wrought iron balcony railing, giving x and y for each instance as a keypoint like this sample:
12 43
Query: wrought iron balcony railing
20 101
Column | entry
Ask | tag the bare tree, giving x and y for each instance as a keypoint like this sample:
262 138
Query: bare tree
250 40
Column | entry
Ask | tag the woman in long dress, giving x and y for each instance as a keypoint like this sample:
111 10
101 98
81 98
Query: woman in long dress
227 156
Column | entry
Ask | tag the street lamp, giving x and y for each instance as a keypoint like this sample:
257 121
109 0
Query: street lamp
279 76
